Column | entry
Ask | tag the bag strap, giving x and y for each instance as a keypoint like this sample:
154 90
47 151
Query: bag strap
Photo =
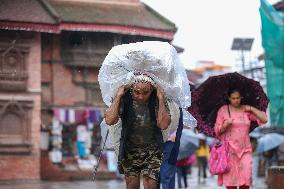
229 110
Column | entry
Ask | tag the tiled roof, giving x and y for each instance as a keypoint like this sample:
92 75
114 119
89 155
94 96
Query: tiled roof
55 16
29 11
139 15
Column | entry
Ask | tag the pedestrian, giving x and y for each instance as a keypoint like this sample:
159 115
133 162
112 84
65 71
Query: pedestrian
280 154
150 80
141 107
233 125
183 167
171 148
202 154
255 162
270 158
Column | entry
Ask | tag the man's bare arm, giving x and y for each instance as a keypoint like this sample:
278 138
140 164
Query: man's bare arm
163 118
112 113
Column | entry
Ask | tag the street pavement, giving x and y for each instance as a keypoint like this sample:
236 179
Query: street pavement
210 183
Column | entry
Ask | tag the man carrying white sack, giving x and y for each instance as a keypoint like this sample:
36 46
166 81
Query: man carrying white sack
144 110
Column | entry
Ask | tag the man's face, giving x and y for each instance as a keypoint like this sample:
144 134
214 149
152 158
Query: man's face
141 92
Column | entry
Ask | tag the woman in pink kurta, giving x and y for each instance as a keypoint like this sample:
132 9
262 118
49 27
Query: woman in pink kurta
233 124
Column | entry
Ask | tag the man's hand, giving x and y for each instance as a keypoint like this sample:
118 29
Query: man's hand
160 92
122 90
112 113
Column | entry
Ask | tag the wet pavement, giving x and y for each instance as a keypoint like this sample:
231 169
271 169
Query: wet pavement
211 183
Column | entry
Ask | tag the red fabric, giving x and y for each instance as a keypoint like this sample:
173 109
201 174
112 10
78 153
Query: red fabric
231 187
235 187
187 161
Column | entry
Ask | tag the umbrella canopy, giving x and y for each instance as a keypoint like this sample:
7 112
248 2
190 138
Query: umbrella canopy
210 141
269 141
212 94
189 142
256 134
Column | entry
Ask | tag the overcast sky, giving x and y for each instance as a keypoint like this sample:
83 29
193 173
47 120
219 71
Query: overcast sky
206 28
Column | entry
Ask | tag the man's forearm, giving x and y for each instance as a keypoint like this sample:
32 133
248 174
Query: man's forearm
112 113
163 118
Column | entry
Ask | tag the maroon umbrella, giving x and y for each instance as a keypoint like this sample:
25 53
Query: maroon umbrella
212 94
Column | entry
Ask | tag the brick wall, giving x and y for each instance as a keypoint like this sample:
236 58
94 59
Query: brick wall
18 166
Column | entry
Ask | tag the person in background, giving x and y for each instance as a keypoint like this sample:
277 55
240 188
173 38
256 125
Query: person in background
280 154
255 162
202 154
183 166
171 137
270 158
233 125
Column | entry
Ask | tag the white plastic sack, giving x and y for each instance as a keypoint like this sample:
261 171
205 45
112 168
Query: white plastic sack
158 59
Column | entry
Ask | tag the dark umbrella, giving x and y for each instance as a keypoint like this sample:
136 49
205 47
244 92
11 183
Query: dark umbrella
212 94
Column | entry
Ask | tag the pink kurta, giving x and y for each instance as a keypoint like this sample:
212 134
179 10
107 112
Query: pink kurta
240 150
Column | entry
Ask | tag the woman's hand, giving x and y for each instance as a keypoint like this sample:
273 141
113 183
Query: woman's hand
228 122
258 113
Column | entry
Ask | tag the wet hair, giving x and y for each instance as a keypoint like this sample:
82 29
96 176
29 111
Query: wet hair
233 90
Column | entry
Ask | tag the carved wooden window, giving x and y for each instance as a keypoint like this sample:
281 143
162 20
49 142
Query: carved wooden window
85 49
15 127
93 95
13 75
